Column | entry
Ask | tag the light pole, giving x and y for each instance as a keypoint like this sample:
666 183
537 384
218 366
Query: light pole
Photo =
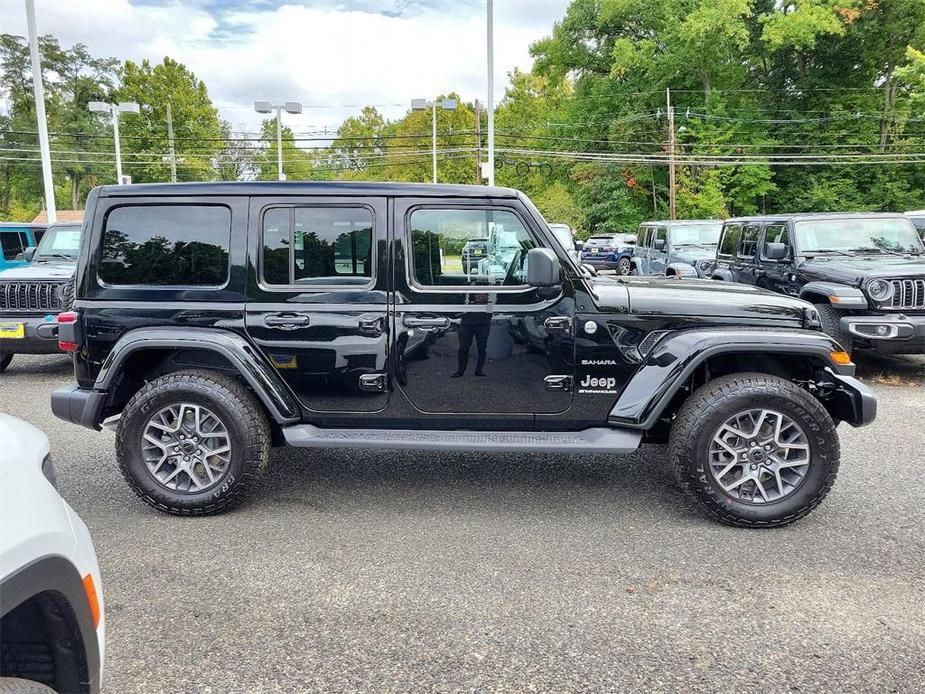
423 105
38 90
114 110
288 107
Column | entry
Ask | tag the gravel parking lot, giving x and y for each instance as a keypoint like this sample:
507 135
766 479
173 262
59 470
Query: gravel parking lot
407 572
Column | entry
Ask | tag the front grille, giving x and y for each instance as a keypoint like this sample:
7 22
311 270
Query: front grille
30 297
908 293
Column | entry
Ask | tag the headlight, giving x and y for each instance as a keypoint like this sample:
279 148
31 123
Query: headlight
880 290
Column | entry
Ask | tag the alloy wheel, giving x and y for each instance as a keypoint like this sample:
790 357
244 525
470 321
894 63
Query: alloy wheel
759 456
186 448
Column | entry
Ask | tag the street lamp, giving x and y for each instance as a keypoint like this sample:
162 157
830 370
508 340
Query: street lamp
114 110
288 107
423 105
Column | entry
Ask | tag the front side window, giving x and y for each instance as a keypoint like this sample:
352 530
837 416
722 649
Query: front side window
661 234
12 244
871 234
749 243
730 241
320 246
775 233
166 245
454 247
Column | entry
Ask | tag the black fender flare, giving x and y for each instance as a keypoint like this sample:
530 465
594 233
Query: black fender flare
56 580
671 362
246 359
847 297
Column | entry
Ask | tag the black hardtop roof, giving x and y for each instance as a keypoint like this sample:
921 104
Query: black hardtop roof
808 216
332 188
669 222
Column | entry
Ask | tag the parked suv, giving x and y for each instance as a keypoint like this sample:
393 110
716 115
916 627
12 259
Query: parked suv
609 251
52 623
683 247
918 221
31 296
865 273
215 320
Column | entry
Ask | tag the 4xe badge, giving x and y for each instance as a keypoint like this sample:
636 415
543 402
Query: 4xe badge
590 384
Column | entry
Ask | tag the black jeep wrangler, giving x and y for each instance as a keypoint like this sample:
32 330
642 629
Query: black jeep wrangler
865 273
212 321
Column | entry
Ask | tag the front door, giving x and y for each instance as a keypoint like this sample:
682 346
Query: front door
317 298
477 340
778 274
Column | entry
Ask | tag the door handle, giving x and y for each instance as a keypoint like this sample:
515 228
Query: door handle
426 323
558 382
286 320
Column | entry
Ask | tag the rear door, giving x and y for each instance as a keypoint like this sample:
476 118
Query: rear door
483 347
641 251
317 302
746 256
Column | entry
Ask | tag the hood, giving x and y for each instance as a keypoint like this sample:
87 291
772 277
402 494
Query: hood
670 296
856 270
21 443
38 271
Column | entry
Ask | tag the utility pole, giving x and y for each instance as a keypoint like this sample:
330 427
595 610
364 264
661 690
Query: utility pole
171 153
478 143
491 96
433 134
672 211
38 90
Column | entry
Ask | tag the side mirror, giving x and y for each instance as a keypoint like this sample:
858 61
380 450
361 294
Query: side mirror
579 245
776 251
543 268
660 244
28 254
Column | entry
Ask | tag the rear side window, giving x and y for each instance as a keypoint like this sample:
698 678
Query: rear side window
749 241
320 246
166 245
730 241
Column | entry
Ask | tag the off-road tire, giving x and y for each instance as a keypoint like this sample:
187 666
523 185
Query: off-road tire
830 326
5 359
17 685
67 300
711 405
240 412
624 267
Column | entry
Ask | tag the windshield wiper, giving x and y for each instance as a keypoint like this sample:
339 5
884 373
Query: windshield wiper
829 250
883 250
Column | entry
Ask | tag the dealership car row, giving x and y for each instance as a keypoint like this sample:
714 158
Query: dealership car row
342 333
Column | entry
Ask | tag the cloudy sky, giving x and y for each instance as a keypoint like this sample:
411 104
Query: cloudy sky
329 54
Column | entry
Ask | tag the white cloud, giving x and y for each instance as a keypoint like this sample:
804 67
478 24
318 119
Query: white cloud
315 54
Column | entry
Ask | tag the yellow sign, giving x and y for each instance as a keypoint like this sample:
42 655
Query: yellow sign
12 331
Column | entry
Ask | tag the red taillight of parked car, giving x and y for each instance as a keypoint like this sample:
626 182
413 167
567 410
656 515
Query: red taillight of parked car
66 318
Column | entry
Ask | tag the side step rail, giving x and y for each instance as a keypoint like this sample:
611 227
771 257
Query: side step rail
594 440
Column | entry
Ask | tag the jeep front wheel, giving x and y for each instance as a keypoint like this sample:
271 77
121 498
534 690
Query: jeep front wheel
193 443
754 450
831 326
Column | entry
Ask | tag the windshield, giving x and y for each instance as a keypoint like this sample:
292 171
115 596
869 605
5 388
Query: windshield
877 234
563 235
696 234
59 243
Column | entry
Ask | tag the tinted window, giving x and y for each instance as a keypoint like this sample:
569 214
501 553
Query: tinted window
749 242
167 245
775 233
12 244
438 237
317 245
730 241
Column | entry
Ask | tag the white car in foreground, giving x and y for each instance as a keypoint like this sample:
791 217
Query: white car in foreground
52 631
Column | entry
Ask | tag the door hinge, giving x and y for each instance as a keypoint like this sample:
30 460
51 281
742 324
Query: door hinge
372 383
558 382
558 325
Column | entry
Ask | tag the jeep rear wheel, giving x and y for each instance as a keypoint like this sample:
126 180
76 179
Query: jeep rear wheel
193 443
5 359
754 450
